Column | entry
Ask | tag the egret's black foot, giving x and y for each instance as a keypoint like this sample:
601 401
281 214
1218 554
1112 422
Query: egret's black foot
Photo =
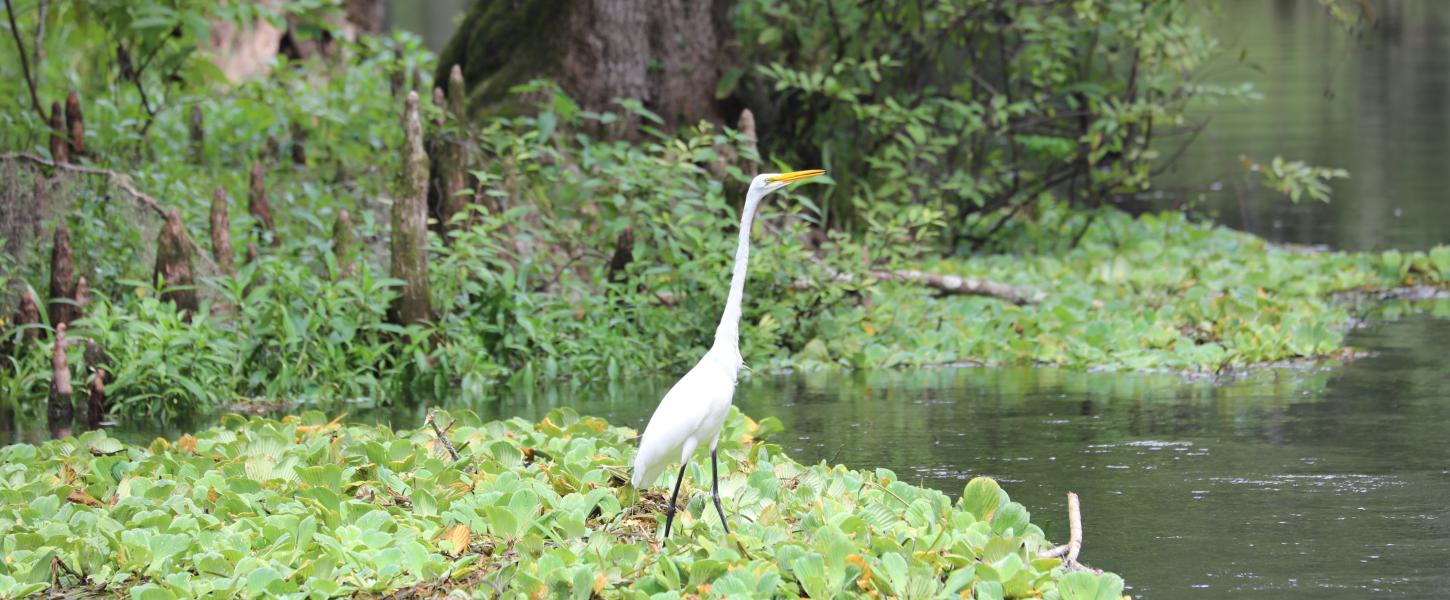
721 510
670 512
715 488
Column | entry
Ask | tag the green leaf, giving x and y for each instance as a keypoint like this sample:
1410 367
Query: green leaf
981 497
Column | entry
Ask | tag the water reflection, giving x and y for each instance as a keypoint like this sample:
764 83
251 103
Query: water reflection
1375 105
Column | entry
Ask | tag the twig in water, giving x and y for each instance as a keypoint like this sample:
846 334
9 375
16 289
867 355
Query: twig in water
1074 526
441 436
1073 547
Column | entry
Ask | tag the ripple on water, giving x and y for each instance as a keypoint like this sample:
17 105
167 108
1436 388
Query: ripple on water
1346 482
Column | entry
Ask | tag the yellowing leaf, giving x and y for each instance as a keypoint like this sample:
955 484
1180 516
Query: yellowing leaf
455 539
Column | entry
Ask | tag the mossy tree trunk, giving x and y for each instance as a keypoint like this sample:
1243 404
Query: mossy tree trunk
668 54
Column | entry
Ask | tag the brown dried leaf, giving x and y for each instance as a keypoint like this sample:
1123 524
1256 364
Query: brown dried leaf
455 539
80 497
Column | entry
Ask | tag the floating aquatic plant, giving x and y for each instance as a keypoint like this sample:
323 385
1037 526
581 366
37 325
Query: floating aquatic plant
307 507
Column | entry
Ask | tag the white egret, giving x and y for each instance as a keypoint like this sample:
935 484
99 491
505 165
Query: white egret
691 414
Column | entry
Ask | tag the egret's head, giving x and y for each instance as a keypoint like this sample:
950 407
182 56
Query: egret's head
770 182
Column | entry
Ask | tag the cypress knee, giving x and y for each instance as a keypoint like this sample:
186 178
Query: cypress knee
299 144
342 242
59 145
60 408
75 124
253 258
83 297
96 358
96 400
221 233
258 206
173 265
456 93
410 224
97 362
62 278
450 166
269 149
623 255
197 131
27 313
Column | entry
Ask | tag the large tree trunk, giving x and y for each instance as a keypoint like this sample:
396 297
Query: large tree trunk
668 54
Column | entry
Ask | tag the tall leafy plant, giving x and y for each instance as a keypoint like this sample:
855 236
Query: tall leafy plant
970 107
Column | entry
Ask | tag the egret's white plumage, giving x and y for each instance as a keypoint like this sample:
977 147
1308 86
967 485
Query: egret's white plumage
691 414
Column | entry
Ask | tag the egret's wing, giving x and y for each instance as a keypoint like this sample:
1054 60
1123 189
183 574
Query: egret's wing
682 413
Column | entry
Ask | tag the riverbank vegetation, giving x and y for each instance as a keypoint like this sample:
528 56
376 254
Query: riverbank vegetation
583 254
307 507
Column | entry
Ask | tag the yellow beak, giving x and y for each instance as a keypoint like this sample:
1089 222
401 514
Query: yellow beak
795 176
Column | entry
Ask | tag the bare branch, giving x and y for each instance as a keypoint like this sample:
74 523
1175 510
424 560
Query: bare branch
119 180
24 61
442 437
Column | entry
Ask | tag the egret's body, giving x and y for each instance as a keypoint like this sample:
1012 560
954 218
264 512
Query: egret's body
691 414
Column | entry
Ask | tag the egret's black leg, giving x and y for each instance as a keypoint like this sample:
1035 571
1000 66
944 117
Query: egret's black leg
715 489
670 512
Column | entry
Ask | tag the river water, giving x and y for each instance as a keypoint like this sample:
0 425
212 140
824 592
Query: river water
1327 482
1376 103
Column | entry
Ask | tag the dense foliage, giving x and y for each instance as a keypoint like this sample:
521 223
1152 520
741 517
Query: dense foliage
971 106
309 508
527 286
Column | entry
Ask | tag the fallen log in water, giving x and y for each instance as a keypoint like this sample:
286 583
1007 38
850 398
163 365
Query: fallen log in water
947 284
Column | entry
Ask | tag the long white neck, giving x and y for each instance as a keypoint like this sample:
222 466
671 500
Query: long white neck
727 335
